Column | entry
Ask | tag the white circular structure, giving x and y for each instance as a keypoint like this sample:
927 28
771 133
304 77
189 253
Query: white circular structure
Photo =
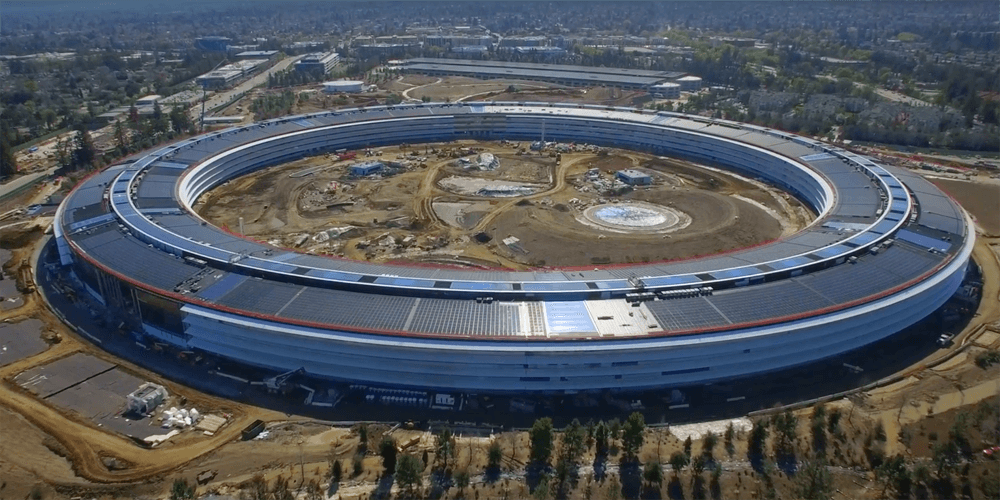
887 248
633 216
347 86
636 217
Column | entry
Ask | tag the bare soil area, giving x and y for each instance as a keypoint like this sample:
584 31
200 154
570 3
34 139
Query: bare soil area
982 200
434 203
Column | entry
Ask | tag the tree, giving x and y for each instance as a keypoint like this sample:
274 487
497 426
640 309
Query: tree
632 434
408 472
444 449
462 481
892 473
357 464
729 436
652 473
708 445
716 483
698 482
565 475
387 449
121 140
678 461
601 434
945 457
84 151
818 429
573 442
49 117
813 481
64 155
541 491
540 436
336 472
755 445
8 163
833 423
181 490
362 438
179 120
698 465
785 425
494 455
614 427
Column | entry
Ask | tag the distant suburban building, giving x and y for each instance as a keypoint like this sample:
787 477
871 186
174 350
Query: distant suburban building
458 40
735 42
318 62
300 47
542 51
148 100
258 54
362 40
392 39
339 86
182 98
523 41
690 83
229 74
666 90
634 177
471 49
385 49
212 43
235 49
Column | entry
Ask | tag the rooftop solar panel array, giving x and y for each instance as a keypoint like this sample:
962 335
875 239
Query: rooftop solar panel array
337 307
264 297
137 261
465 318
221 287
685 314
772 300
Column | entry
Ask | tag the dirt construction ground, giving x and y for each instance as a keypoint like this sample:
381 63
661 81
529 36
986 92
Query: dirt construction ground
434 207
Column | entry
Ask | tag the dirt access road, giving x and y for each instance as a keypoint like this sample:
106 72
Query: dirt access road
560 184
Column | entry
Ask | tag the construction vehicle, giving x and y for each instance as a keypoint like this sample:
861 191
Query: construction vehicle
25 280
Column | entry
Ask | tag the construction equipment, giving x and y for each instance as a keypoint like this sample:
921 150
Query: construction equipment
278 382
25 280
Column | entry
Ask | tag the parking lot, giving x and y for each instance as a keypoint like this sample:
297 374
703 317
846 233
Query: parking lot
90 387
20 340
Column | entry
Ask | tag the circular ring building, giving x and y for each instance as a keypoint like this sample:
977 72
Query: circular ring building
886 249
